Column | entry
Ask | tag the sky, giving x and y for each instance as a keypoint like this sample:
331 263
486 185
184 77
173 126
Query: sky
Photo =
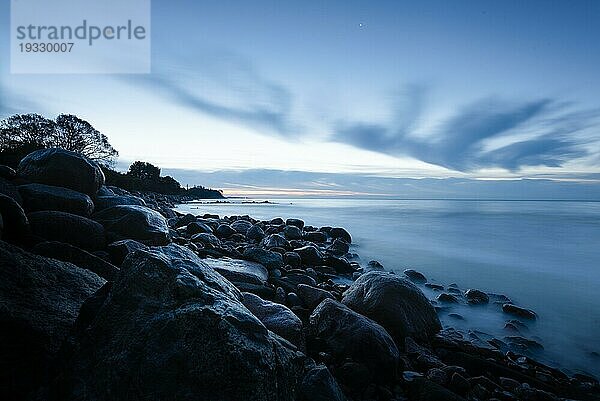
347 91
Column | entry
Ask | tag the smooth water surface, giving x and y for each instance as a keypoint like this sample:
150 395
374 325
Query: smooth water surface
544 255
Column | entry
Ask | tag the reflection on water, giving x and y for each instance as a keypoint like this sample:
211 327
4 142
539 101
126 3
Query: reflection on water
543 255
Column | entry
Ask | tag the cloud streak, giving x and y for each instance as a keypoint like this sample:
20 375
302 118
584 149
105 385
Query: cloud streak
541 132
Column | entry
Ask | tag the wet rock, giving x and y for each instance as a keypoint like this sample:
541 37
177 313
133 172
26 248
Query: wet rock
38 197
312 296
62 168
347 334
293 222
447 298
224 231
276 317
339 232
239 270
206 239
456 316
104 202
276 221
270 260
435 287
241 226
196 227
476 297
395 303
119 250
310 255
275 241
292 233
292 259
421 357
374 265
69 228
518 311
15 222
172 328
339 247
319 385
134 222
78 257
315 236
291 281
40 300
341 265
255 233
415 276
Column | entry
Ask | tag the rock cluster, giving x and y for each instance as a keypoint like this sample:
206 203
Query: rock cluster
111 295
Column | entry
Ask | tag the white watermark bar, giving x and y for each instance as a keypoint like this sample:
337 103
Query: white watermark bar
80 36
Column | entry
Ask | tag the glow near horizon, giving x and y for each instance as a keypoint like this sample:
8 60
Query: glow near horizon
334 70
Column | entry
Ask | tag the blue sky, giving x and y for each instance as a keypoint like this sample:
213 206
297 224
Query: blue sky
398 89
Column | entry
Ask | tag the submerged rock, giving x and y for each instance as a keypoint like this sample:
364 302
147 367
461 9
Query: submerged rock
395 303
518 311
415 276
476 297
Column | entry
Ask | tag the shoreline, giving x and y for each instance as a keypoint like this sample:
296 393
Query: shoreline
256 309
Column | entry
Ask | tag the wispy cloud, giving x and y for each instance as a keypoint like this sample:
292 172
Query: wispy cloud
226 86
542 132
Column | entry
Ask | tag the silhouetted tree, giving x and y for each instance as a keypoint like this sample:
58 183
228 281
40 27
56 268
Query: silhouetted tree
144 171
23 133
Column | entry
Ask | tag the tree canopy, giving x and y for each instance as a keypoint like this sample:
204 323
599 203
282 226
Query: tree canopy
21 134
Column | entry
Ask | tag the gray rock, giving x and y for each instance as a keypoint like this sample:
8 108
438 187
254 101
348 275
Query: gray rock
255 233
275 241
276 317
104 202
241 226
38 197
339 247
347 334
315 236
69 228
292 233
395 303
79 257
312 296
295 222
319 385
224 231
172 328
310 255
40 300
476 297
119 250
338 232
206 238
415 276
292 259
270 260
62 168
135 222
196 227
237 270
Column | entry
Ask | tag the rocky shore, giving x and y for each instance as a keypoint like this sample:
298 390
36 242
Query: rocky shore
111 295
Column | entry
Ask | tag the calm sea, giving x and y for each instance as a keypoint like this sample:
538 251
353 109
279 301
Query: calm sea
544 255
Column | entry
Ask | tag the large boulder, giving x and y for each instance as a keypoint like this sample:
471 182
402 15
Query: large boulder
395 303
79 257
104 202
66 227
276 317
319 385
62 168
241 226
237 270
310 255
134 222
171 328
119 250
16 224
39 301
344 334
38 197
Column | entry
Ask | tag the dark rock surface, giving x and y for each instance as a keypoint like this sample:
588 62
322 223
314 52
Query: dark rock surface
237 270
104 202
172 328
38 197
134 222
39 301
69 228
395 303
15 222
62 168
